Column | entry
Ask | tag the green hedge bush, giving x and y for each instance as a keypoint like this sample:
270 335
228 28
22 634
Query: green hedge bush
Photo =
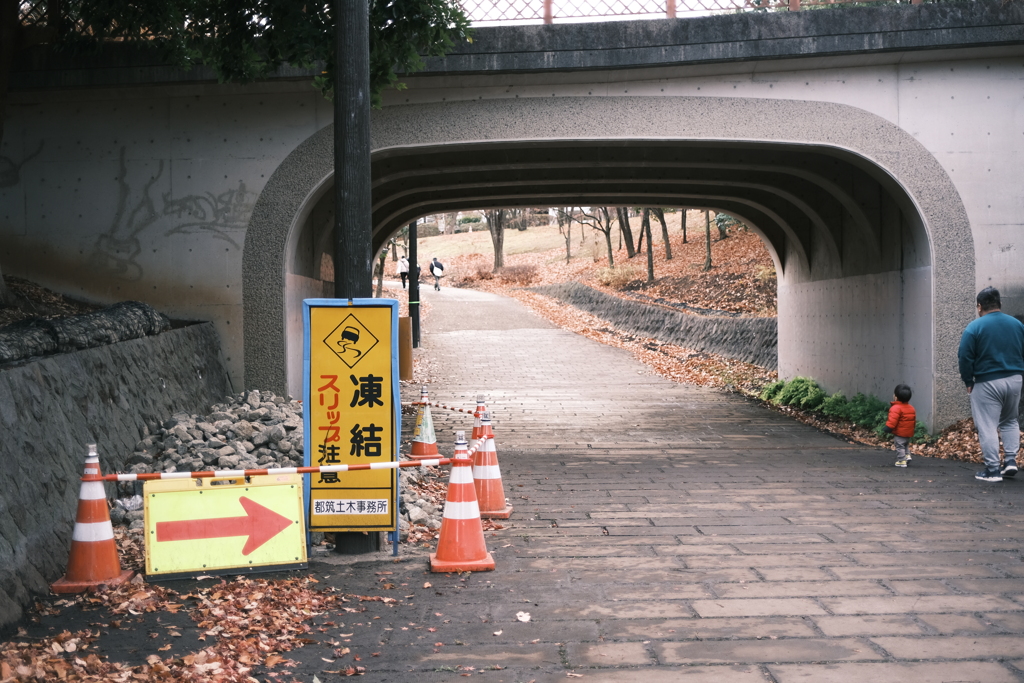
795 391
768 391
862 410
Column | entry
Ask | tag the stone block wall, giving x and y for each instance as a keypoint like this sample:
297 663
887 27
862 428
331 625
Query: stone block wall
753 340
52 407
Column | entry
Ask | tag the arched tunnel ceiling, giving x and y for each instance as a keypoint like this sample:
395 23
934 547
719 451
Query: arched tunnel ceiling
823 213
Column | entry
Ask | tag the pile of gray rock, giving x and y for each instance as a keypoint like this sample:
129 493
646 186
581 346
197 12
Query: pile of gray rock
250 430
418 506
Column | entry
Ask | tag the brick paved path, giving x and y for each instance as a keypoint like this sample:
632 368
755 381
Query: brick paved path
664 532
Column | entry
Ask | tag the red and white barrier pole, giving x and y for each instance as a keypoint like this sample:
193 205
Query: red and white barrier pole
226 474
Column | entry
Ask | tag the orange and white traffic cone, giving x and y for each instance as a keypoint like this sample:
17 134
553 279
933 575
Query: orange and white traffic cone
93 560
424 441
489 490
480 410
461 547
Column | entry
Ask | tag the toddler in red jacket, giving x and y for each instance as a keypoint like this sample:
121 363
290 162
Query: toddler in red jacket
901 423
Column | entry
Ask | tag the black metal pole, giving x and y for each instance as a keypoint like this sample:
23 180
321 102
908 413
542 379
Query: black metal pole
414 287
353 268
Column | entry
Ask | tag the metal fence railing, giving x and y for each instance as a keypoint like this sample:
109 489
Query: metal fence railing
41 14
548 11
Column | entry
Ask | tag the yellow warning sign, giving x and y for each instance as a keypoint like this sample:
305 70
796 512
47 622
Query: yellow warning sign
210 526
351 400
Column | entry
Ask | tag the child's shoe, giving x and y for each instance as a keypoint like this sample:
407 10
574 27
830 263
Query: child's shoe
901 463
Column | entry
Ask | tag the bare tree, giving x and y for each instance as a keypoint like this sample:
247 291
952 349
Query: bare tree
645 227
682 221
640 238
601 221
707 240
382 258
496 226
722 225
627 234
660 215
565 220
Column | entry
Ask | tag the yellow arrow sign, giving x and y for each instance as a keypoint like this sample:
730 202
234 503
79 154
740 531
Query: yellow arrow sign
218 526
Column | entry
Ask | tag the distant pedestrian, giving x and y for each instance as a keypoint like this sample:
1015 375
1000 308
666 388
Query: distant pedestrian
437 270
991 365
901 423
403 270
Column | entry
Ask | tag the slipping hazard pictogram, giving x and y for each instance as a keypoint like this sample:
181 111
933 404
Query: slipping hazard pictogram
197 526
350 341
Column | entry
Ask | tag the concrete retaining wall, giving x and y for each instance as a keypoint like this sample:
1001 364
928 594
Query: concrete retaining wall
753 340
52 407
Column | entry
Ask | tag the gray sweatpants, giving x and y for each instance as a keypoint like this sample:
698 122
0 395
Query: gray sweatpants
994 406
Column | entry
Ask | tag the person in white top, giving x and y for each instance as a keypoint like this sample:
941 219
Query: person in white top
403 270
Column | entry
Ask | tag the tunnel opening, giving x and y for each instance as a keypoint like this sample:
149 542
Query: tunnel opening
851 250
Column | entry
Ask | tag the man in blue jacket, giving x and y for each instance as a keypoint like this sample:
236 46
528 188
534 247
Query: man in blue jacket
991 365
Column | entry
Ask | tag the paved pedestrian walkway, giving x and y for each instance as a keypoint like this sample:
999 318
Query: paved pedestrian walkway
661 533
666 532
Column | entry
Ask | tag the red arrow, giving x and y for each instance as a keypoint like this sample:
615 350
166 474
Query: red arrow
260 524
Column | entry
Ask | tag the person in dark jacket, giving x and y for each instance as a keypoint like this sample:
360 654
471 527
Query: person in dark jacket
992 365
901 423
437 270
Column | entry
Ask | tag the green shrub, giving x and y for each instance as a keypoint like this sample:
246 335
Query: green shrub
921 434
834 406
795 391
815 397
768 391
880 433
866 411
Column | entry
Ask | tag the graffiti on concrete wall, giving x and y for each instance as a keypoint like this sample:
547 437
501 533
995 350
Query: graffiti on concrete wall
216 214
116 250
10 171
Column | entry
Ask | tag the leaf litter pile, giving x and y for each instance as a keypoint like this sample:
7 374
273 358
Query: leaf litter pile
248 623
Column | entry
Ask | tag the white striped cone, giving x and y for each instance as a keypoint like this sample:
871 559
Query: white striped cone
461 547
424 441
93 559
490 491
480 410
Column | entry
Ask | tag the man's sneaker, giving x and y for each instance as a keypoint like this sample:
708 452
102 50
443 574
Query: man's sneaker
1009 469
989 475
908 457
901 463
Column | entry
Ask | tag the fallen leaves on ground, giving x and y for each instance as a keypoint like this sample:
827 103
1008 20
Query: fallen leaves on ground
38 302
250 623
668 360
741 280
959 441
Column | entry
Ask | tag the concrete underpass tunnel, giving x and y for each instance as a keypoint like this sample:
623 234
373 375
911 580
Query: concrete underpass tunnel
853 246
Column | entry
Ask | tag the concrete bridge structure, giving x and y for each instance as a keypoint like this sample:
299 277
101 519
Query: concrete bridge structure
879 152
